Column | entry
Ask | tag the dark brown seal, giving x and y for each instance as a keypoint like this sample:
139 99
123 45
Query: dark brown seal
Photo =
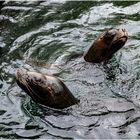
106 45
44 89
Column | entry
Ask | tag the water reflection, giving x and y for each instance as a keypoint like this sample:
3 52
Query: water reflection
50 37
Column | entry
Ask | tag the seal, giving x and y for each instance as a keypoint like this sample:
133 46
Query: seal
44 89
108 43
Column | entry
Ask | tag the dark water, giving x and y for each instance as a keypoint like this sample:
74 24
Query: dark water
51 37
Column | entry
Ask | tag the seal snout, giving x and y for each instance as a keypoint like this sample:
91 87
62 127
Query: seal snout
20 73
123 35
123 32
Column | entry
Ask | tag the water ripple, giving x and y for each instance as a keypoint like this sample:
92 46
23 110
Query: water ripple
51 37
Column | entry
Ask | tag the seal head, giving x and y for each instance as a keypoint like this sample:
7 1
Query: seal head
106 45
44 89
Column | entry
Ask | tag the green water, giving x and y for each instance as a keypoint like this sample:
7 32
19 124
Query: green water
51 37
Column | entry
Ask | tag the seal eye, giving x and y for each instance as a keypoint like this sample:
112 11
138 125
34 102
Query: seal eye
110 34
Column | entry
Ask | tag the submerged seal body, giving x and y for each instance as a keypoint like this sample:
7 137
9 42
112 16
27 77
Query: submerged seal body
106 45
44 89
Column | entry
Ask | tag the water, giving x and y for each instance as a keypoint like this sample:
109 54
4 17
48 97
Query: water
51 37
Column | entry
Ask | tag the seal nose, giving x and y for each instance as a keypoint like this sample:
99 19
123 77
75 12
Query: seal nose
20 73
124 32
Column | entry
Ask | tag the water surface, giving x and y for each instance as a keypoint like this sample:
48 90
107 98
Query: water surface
51 37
